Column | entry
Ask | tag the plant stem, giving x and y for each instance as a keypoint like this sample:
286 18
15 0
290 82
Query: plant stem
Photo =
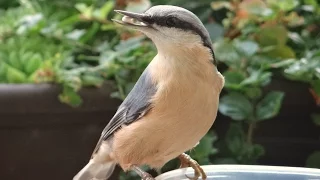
88 58
120 88
250 132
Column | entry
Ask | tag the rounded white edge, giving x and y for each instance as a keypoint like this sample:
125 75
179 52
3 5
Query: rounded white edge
242 168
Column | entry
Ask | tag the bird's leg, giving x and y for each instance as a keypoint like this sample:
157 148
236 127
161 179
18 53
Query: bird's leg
144 175
187 161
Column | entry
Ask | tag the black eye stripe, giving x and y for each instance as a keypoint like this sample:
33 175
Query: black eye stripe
171 21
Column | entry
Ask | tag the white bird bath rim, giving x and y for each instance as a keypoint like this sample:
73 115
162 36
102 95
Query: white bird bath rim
246 172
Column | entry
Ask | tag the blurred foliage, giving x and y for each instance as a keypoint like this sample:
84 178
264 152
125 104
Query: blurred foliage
74 44
41 45
263 38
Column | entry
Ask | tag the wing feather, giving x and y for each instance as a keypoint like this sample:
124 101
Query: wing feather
135 106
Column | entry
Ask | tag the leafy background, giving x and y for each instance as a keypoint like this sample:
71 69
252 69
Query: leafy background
74 44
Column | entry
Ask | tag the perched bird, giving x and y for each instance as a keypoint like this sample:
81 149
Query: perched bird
172 105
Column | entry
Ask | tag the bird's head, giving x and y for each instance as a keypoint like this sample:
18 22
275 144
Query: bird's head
168 26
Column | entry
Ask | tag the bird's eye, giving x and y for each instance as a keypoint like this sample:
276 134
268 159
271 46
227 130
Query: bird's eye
171 21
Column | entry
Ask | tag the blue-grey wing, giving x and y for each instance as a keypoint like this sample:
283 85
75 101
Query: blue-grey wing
135 105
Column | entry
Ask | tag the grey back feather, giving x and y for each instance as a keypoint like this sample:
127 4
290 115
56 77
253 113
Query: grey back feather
135 105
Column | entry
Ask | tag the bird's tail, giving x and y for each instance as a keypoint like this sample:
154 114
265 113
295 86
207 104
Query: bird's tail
94 170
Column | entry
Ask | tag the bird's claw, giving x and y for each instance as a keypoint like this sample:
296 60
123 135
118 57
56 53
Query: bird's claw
187 161
144 175
147 176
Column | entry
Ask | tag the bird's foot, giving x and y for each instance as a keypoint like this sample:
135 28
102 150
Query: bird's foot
187 161
147 176
144 175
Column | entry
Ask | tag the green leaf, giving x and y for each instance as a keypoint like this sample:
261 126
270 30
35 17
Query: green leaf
71 79
106 9
258 78
236 106
249 29
84 9
215 30
15 76
269 106
257 151
313 160
313 3
14 60
70 96
293 19
33 64
29 22
253 92
235 138
205 149
233 79
272 35
227 53
3 71
315 53
284 5
247 48
75 34
128 45
25 57
250 153
108 27
262 61
107 57
90 33
303 70
296 38
281 64
92 80
241 150
316 119
281 51
69 21
126 59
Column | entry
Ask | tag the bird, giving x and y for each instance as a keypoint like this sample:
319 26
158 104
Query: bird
172 105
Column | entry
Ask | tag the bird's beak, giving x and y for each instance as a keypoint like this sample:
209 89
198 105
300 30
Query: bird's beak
132 19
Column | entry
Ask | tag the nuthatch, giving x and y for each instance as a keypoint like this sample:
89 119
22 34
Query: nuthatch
172 105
